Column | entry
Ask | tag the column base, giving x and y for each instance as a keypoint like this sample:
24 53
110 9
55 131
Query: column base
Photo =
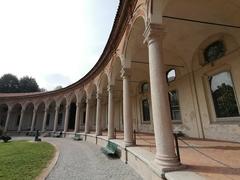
98 134
111 136
127 143
167 162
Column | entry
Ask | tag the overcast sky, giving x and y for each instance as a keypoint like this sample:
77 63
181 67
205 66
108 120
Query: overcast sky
55 41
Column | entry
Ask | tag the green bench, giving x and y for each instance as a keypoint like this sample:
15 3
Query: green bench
77 137
110 149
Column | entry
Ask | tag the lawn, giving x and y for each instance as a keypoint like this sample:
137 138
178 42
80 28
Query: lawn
23 160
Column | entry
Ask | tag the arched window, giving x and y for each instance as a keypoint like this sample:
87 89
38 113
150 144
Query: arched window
145 110
174 105
214 51
144 87
171 75
223 95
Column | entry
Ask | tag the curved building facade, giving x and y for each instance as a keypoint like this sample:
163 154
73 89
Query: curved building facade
167 66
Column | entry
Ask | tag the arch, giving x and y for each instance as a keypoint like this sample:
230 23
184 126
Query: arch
103 82
134 42
39 115
115 69
72 111
229 42
62 102
27 116
15 116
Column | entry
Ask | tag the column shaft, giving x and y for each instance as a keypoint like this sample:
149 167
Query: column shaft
110 113
33 119
77 118
21 119
98 116
44 119
56 119
165 151
66 118
127 109
87 130
7 120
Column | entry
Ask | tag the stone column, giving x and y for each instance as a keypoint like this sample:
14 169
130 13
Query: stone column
21 119
66 118
165 151
99 115
8 118
33 118
45 119
110 113
77 117
56 118
87 116
127 110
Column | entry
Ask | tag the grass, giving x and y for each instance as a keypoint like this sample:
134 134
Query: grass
24 160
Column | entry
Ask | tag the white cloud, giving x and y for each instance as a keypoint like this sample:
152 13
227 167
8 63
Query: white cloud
41 38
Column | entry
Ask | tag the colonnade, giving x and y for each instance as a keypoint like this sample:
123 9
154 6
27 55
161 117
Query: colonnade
165 153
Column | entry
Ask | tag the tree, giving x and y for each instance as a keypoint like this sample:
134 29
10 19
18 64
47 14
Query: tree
43 90
28 84
58 87
9 84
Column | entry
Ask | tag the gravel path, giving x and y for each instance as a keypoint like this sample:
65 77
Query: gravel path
85 161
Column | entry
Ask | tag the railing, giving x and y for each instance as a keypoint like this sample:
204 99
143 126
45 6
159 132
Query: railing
177 146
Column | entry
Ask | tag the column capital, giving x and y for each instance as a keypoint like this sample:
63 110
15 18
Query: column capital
154 32
99 96
110 88
35 109
78 104
67 106
23 109
10 108
125 73
88 101
46 108
57 108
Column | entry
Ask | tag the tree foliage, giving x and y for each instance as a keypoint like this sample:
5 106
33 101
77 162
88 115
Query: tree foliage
9 83
28 84
58 87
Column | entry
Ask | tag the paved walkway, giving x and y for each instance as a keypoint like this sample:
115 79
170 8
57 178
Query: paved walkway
215 160
85 161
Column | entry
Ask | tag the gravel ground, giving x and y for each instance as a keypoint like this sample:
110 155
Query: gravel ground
85 161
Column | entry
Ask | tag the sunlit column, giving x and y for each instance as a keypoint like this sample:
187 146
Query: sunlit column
127 109
21 119
77 117
99 115
8 118
165 152
45 119
110 113
66 118
33 118
87 130
56 118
